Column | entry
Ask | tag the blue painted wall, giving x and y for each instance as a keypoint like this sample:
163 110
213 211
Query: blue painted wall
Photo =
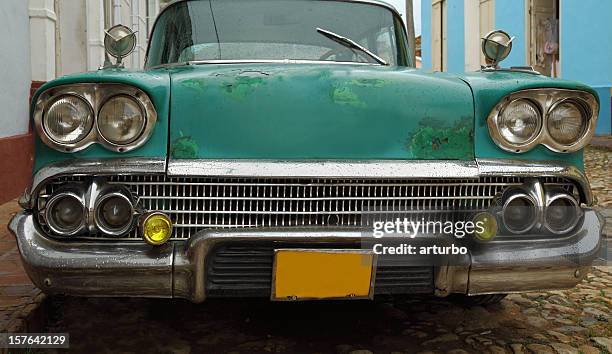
426 34
510 17
455 36
586 50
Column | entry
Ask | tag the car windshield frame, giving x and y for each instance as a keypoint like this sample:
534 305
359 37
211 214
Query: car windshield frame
401 42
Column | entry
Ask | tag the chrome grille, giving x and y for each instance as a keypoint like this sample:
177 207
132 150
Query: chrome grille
198 203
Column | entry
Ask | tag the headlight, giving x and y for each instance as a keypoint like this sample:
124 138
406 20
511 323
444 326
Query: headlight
519 213
121 120
562 213
114 213
561 120
520 122
65 214
68 119
567 122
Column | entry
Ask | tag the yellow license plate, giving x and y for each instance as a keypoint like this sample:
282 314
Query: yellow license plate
304 274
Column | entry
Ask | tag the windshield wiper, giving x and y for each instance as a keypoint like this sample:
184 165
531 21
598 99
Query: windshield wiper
349 43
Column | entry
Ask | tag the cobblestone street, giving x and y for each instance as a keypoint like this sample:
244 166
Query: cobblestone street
578 320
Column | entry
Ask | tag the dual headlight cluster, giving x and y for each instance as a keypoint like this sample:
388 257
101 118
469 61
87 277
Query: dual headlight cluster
70 118
562 120
524 209
67 213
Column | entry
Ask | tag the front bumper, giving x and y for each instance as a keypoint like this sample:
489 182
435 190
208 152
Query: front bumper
178 269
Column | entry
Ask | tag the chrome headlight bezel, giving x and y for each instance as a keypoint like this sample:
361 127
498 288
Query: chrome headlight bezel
95 95
546 100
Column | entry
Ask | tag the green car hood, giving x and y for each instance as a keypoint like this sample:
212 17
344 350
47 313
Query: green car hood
266 111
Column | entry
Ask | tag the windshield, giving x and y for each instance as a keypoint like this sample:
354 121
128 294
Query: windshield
275 30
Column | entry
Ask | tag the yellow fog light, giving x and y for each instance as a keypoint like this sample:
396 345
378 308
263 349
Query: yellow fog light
485 226
156 228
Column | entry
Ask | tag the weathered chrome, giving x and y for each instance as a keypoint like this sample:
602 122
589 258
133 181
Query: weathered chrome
94 167
517 69
95 95
551 196
50 204
324 169
546 100
283 197
114 42
529 224
264 61
519 168
178 269
528 266
99 269
500 45
198 203
99 219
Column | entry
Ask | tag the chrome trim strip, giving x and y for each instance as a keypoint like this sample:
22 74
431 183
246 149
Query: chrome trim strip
272 61
96 95
324 168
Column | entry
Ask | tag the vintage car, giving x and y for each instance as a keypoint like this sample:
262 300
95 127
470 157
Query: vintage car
243 159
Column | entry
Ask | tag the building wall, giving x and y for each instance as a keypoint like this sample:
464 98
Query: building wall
15 79
586 50
15 76
455 59
70 38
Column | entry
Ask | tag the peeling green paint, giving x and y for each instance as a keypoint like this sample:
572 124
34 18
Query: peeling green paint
436 139
244 84
198 85
184 148
369 82
344 95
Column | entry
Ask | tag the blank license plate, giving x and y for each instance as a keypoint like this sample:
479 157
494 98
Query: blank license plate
309 274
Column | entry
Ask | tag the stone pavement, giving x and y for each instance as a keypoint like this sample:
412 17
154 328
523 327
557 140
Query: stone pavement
18 297
573 321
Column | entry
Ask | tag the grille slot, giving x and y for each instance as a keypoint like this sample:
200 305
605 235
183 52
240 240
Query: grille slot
198 203
246 270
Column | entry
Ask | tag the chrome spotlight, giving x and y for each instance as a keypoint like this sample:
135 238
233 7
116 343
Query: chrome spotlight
119 42
496 46
114 212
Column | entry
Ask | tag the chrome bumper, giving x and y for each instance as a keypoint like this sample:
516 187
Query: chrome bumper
178 269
